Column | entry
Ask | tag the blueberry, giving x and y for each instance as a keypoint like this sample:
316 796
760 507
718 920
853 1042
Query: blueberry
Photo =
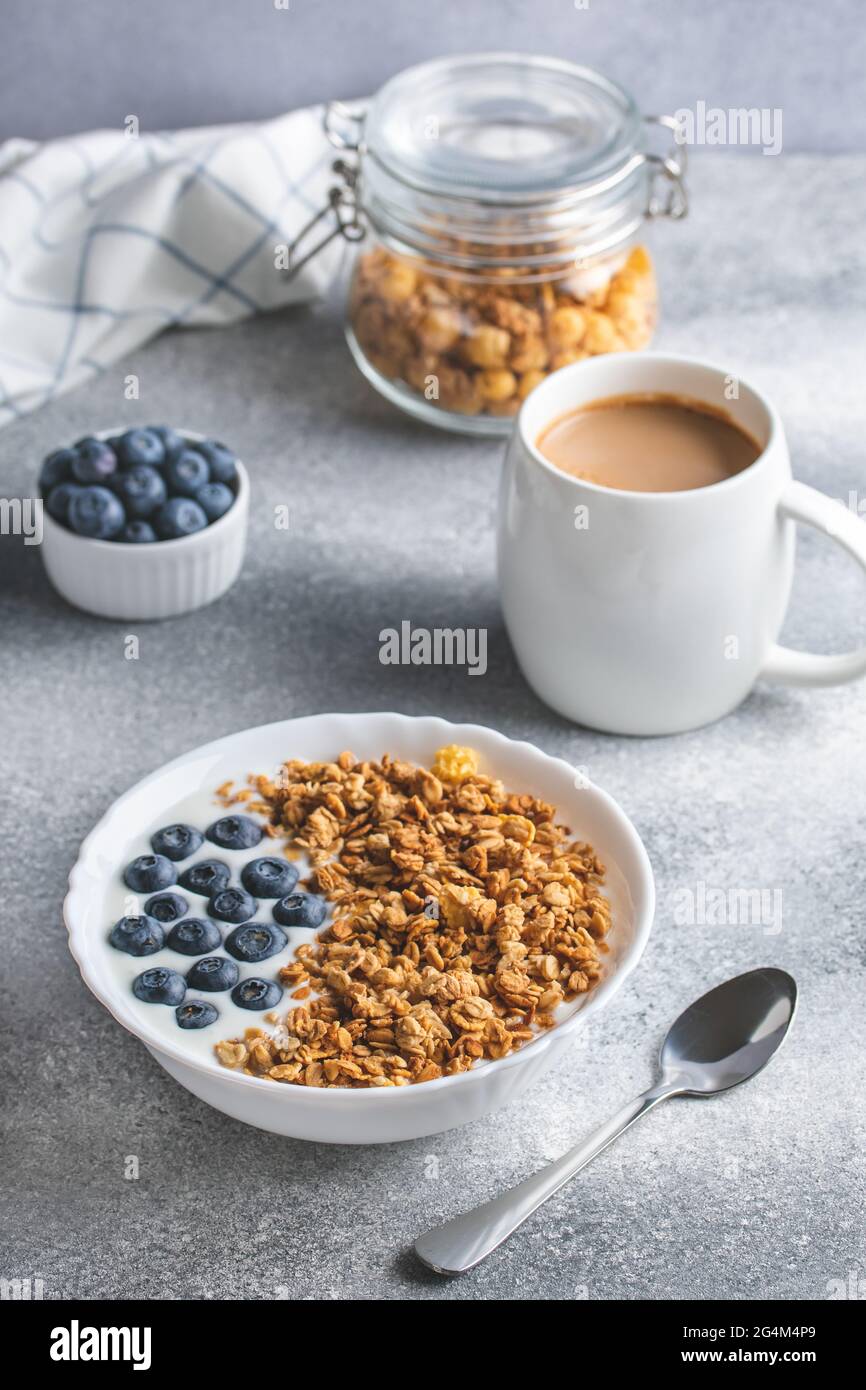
256 941
198 1013
212 973
194 936
159 986
149 873
97 513
269 878
137 936
214 500
56 468
234 832
58 499
257 994
233 905
141 490
179 516
187 473
223 463
166 907
173 443
93 461
137 447
177 841
300 910
207 877
137 533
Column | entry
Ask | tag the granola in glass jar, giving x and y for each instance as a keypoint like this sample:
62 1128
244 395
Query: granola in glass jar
478 344
501 202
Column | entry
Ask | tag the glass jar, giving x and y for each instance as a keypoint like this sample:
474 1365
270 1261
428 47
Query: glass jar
501 202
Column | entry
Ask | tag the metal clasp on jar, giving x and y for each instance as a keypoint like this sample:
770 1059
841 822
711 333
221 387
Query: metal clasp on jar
667 190
342 202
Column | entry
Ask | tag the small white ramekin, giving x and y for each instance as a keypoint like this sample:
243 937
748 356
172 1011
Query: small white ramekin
116 579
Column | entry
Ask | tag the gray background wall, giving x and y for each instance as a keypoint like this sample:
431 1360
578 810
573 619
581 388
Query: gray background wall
69 67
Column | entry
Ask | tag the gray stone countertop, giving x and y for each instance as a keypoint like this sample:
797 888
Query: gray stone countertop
760 1193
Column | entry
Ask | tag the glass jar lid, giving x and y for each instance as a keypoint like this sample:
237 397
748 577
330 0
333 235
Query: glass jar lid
498 160
505 127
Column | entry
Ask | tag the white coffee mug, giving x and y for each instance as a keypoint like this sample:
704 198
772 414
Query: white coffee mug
655 612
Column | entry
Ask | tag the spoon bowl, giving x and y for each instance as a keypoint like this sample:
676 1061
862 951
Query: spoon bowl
729 1034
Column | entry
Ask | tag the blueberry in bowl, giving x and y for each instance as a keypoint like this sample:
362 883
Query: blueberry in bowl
221 461
93 461
141 447
234 832
145 469
213 974
206 877
269 877
149 873
300 910
187 473
142 491
194 936
159 986
176 841
214 500
115 499
233 905
96 513
137 936
256 941
257 994
57 500
138 533
166 907
173 442
56 469
179 517
196 1013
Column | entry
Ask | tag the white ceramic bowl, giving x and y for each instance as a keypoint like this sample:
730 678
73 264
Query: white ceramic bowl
115 579
376 1115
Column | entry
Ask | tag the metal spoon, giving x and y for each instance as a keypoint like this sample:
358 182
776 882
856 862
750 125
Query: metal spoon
725 1037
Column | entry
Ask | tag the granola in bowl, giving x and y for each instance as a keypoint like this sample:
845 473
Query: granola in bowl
463 915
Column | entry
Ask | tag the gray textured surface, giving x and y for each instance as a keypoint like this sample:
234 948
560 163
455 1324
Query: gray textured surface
73 67
758 1194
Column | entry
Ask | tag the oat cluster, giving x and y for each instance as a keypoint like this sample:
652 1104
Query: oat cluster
479 345
463 916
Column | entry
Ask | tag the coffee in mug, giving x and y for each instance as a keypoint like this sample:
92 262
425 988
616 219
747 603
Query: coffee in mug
648 442
652 612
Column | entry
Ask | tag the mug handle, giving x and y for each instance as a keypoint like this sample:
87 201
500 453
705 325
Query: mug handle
784 664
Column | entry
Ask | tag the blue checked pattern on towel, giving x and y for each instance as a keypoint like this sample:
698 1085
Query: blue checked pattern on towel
107 238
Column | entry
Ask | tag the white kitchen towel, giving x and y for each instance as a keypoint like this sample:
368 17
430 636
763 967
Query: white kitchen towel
107 238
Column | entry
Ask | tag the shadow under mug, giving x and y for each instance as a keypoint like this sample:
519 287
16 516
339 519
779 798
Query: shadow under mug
655 612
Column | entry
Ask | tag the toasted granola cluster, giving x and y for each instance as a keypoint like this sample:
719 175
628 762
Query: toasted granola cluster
479 346
463 916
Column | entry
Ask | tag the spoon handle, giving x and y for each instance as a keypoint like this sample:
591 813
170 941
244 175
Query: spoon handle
460 1244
